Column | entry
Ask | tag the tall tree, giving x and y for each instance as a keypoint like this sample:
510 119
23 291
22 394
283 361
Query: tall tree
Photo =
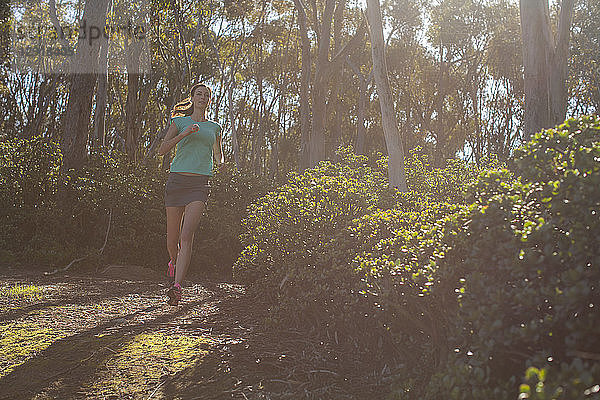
304 85
101 95
545 58
325 68
584 64
83 81
393 140
361 130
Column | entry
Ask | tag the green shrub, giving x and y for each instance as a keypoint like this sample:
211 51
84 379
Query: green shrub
53 217
131 194
296 220
287 230
445 184
528 281
29 175
569 381
330 247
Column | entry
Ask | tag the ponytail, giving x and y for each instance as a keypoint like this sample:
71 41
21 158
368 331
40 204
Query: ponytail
183 108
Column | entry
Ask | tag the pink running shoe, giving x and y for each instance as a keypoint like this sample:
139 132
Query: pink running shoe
174 294
170 270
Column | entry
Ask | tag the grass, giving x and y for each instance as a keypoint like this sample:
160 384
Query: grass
140 365
23 292
18 341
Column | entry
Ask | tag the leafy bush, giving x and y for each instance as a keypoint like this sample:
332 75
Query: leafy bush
133 197
29 175
528 282
464 291
53 217
569 381
323 247
445 184
287 228
406 291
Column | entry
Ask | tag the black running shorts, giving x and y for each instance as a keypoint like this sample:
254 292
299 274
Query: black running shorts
181 190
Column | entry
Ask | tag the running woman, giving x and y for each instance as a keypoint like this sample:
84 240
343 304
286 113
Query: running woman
197 141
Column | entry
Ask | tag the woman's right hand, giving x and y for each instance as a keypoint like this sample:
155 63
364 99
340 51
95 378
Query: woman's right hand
190 129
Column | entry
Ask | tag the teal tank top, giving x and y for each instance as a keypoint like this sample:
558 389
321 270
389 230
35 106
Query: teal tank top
193 153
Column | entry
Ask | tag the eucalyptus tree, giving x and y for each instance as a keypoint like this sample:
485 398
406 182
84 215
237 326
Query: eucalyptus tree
32 89
545 56
182 52
458 87
393 140
83 74
584 62
325 67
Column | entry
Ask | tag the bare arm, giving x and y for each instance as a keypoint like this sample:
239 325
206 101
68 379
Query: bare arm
173 137
218 151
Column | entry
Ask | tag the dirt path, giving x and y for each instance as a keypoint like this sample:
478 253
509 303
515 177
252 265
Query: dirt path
114 337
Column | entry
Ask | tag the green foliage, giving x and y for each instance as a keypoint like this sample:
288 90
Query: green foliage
29 175
403 286
291 237
488 293
569 381
331 247
462 290
528 282
53 217
293 223
445 184
133 197
23 292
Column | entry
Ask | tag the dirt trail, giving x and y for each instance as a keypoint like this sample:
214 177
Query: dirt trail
113 336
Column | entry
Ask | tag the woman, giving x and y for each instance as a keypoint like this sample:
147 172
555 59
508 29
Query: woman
197 141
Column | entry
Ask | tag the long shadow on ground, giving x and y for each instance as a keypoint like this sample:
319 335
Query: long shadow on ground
98 292
60 370
243 361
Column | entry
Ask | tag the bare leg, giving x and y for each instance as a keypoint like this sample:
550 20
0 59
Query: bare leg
174 216
193 213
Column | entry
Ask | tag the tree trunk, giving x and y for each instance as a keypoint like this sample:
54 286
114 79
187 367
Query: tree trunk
441 129
257 160
320 88
361 131
336 104
234 139
36 114
101 94
304 84
390 126
534 25
137 96
544 64
132 126
558 64
83 80
185 75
